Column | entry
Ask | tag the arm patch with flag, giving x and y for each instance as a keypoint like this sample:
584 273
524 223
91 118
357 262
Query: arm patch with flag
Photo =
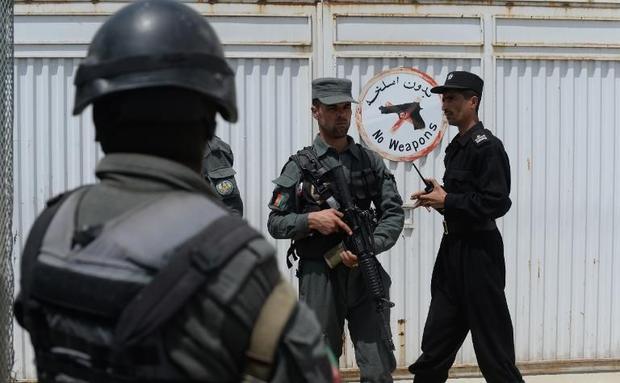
279 199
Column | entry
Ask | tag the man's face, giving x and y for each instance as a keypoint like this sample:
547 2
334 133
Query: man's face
458 109
333 120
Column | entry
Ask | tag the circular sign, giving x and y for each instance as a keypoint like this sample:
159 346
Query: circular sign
398 116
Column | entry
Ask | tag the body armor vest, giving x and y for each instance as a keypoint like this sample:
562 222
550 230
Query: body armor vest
316 187
95 299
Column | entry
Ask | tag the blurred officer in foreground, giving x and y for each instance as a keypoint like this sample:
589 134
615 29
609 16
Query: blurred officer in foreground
303 209
217 167
144 276
469 277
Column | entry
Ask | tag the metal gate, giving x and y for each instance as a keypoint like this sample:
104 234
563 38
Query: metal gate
56 151
552 90
552 87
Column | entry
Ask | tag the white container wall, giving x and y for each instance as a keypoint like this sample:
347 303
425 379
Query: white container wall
55 151
558 121
552 90
551 94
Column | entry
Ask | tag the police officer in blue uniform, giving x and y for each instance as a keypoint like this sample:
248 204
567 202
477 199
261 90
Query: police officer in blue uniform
330 281
469 276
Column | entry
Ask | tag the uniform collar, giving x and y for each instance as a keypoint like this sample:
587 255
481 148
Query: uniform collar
463 139
321 147
140 171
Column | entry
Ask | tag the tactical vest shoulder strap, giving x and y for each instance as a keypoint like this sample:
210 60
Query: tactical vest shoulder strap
370 178
312 168
365 157
309 163
187 272
33 246
268 330
179 280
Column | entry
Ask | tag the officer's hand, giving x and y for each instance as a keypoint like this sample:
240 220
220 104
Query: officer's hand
435 199
348 258
418 203
328 221
416 195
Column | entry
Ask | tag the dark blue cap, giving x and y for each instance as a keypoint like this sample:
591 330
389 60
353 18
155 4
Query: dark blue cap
461 80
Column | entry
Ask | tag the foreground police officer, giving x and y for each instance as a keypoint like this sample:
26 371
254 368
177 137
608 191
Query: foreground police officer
144 276
337 291
217 167
468 280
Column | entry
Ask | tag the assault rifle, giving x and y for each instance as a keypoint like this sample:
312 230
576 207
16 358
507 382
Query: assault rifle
361 243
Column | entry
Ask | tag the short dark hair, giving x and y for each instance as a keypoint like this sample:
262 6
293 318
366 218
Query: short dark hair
468 93
316 102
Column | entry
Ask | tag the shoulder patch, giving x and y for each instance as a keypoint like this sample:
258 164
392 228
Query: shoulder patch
279 199
480 138
225 187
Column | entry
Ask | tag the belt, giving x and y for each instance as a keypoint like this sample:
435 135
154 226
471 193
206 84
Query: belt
459 227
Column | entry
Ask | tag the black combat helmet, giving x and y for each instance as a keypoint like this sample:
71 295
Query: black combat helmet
155 43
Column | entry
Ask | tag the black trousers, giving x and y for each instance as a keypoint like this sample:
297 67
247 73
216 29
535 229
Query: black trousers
467 291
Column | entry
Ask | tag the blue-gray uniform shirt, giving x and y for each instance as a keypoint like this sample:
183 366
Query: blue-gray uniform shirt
218 171
286 220
195 336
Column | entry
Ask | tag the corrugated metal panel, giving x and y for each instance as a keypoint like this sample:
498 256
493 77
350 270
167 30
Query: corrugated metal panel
55 151
272 96
410 261
558 120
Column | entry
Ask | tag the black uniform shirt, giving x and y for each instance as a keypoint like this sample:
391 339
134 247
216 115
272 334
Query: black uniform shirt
477 178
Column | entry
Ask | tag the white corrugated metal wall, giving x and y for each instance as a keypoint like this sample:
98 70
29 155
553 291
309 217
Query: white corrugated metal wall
552 83
55 151
273 97
551 95
558 121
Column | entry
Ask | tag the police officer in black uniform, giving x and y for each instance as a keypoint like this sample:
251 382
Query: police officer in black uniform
144 276
217 167
468 280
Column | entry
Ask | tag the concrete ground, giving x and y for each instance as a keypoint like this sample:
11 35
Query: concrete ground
586 377
593 377
601 377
